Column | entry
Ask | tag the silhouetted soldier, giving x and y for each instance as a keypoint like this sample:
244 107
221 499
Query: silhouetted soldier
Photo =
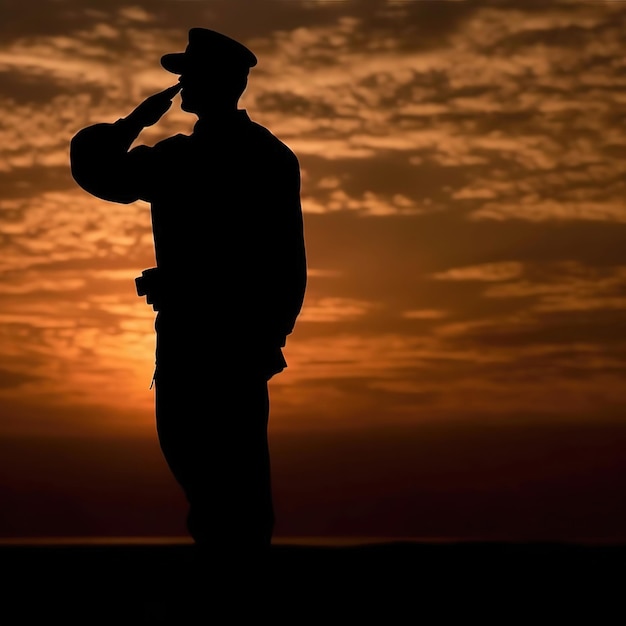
229 282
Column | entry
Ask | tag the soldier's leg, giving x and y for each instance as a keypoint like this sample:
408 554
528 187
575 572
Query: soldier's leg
213 433
174 426
230 495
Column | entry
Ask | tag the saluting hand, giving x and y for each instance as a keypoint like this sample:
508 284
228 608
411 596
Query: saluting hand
151 110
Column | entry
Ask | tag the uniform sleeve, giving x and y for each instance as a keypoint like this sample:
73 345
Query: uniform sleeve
289 254
102 164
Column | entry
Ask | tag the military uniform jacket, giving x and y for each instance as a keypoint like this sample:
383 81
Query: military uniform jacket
226 218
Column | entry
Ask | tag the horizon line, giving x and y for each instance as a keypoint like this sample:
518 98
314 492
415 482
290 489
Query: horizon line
303 541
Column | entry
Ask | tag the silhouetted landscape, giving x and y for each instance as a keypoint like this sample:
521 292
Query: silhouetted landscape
391 583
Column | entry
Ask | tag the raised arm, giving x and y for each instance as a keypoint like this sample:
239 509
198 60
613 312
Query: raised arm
100 159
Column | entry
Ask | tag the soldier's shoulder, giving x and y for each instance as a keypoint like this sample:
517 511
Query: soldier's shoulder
271 142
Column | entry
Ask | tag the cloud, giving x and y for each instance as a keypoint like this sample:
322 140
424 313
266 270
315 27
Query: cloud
369 204
545 210
488 272
334 309
568 287
424 314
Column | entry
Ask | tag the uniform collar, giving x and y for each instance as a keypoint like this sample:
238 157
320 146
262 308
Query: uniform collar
219 123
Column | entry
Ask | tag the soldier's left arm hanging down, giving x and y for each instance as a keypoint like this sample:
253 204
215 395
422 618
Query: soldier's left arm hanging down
289 256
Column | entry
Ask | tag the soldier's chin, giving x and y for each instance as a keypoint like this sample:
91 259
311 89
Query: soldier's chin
188 106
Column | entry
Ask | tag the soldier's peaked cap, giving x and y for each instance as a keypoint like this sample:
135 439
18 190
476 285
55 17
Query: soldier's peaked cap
208 48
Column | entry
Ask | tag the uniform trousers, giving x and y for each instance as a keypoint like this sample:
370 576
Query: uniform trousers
212 424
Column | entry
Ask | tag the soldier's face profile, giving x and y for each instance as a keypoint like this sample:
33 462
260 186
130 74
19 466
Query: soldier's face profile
211 89
191 94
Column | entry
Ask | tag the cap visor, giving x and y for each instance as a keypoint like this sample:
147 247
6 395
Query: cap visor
174 63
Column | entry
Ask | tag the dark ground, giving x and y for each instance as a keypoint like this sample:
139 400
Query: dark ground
387 583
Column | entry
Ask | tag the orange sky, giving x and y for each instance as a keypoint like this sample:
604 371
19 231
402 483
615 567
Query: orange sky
458 366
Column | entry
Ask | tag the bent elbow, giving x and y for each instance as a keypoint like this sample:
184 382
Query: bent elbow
93 183
95 169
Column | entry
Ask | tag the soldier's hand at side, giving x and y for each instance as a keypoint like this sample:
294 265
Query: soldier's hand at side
151 110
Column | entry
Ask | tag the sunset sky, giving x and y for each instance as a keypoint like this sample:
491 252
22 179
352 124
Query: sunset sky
458 367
